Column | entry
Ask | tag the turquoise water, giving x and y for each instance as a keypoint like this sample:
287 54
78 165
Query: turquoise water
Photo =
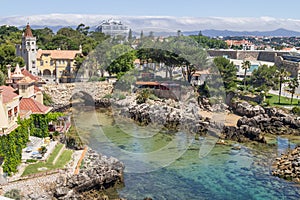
166 165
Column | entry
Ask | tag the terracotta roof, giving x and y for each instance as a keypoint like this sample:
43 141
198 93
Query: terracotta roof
27 73
59 54
8 93
146 83
28 32
203 72
28 104
26 80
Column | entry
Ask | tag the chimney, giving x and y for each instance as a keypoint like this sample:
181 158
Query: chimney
8 71
39 97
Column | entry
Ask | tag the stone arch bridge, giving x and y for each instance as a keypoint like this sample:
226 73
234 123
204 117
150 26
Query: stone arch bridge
62 94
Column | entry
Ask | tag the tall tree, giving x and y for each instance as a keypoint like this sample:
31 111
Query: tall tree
227 72
293 84
246 65
130 38
142 35
282 74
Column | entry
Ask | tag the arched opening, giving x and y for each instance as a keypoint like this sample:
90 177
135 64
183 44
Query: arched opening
47 72
82 98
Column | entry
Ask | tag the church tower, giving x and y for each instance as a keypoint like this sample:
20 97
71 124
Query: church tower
28 50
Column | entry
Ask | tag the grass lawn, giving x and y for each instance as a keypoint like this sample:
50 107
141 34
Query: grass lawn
284 101
63 159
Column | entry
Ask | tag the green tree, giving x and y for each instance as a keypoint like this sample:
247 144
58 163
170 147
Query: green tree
227 71
43 36
121 58
2 78
246 66
130 37
282 74
81 28
7 56
263 78
293 84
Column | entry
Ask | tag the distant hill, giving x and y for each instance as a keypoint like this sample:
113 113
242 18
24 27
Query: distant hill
210 32
214 33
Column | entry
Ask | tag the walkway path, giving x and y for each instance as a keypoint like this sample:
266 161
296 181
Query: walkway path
58 155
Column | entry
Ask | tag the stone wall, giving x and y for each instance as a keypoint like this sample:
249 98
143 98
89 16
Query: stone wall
268 56
292 67
247 55
62 93
232 54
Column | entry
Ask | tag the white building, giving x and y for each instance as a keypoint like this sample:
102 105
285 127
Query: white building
113 28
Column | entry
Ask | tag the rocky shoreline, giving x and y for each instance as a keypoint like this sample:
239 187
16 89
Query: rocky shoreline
255 123
97 173
288 166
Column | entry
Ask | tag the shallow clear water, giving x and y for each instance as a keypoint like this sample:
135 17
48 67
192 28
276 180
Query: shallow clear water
165 165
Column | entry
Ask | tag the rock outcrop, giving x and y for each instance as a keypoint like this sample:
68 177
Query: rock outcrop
288 166
97 173
268 120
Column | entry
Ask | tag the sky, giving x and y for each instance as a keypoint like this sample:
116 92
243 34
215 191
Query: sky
177 8
185 15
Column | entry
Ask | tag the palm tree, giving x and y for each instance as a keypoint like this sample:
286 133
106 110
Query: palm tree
282 75
293 85
246 65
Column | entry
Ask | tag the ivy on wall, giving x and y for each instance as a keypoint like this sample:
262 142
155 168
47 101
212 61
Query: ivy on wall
11 145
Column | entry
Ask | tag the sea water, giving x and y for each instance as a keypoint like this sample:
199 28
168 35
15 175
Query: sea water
158 167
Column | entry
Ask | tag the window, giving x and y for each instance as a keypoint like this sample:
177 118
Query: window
16 111
32 42
51 62
42 63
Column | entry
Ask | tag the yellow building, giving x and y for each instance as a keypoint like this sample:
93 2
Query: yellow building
56 62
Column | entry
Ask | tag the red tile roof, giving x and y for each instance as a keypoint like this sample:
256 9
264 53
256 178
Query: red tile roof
26 80
27 73
8 93
28 32
34 106
59 54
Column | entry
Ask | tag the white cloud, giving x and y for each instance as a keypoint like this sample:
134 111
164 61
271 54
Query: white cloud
164 23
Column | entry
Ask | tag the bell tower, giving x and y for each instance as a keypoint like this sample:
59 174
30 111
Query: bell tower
28 50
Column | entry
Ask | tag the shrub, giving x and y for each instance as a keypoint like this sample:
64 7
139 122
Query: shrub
93 79
296 110
107 96
13 194
31 161
143 95
102 79
47 99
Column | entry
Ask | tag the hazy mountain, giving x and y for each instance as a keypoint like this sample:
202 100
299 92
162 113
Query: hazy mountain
214 33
